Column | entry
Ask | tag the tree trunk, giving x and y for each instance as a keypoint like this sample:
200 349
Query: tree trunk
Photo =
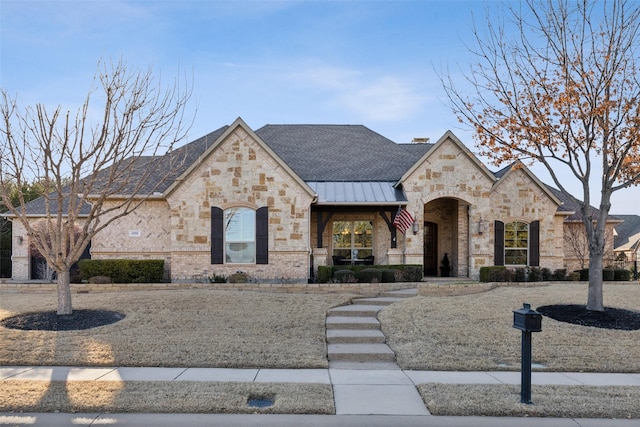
64 294
595 296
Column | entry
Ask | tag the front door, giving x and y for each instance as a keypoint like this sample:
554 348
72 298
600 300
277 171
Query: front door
430 249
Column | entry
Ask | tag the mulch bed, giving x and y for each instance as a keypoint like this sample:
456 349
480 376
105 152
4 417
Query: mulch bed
610 318
51 321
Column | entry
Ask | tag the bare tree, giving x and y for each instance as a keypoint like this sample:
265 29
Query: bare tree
95 165
576 239
561 89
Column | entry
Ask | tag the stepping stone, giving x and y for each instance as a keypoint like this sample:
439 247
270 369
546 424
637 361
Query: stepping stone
377 301
360 352
355 310
354 336
347 322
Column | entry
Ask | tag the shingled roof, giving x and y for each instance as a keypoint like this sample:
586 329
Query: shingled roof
339 152
628 232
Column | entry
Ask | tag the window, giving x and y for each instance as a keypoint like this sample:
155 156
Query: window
516 243
353 239
240 235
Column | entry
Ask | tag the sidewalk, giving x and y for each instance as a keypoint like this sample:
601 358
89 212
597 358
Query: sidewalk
223 420
362 397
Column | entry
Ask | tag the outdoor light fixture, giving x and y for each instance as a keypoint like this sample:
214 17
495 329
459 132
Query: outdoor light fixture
20 240
481 226
415 227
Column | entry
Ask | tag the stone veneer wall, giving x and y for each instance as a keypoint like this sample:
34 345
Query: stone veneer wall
442 190
518 198
20 252
452 190
240 172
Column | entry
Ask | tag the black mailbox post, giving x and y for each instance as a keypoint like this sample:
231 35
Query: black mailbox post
527 321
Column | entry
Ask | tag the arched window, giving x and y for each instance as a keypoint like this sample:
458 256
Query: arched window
240 235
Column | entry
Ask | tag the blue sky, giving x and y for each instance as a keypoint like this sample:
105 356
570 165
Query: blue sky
344 62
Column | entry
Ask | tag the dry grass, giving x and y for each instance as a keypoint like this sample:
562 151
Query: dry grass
195 328
548 401
163 397
474 332
203 328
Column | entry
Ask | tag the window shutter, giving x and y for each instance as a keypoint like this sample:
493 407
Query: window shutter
534 244
498 245
262 235
217 235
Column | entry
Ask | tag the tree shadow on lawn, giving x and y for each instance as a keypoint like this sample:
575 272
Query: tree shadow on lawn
610 318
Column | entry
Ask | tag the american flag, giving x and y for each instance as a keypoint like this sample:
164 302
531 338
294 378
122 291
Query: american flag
403 220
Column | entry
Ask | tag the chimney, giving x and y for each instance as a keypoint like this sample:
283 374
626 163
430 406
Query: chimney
420 140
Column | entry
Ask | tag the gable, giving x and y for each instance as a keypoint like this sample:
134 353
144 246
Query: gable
238 130
448 155
518 168
519 194
448 169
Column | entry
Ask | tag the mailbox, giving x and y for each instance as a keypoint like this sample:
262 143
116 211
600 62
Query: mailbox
527 320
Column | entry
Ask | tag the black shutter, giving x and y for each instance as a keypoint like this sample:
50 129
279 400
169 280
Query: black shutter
534 244
262 235
498 245
217 235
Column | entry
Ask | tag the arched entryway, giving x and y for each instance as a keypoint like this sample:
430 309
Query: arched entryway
446 233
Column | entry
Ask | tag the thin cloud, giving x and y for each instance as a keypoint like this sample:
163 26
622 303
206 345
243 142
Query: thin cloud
372 98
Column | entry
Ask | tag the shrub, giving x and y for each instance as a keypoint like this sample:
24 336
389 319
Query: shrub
239 277
622 275
535 274
344 276
584 274
546 274
520 275
388 275
489 274
412 273
575 276
608 275
123 270
324 274
369 275
559 274
504 275
218 279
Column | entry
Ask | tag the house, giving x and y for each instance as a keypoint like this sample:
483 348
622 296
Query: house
280 201
627 241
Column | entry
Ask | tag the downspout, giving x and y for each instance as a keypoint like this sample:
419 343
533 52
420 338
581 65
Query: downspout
469 241
312 268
